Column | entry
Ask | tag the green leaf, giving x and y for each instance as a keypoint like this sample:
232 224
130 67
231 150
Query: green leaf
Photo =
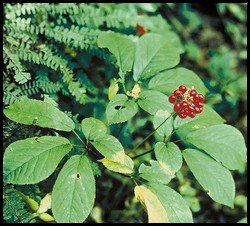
173 39
154 24
110 148
152 101
120 109
126 167
166 128
170 80
73 194
193 203
33 159
163 204
153 54
207 118
213 177
121 46
39 113
155 173
243 220
223 142
93 128
169 157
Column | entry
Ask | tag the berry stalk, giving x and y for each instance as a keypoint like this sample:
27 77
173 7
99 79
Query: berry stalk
149 135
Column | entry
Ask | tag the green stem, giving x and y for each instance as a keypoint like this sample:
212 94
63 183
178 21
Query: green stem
175 141
32 216
135 182
123 86
149 135
122 81
80 146
144 153
125 175
79 137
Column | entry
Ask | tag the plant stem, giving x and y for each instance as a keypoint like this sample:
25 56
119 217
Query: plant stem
175 141
80 146
149 135
122 81
79 138
144 153
124 88
135 182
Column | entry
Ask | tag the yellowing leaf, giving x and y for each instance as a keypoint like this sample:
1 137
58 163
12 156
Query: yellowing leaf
45 204
113 89
155 210
126 167
135 93
46 217
110 147
163 204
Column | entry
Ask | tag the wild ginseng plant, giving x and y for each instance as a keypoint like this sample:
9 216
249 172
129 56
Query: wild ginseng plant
184 128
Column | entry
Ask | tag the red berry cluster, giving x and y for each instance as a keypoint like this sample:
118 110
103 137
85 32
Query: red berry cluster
187 102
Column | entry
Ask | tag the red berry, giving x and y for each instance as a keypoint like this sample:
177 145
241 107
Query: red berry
172 99
191 114
182 115
190 108
199 104
182 88
177 93
177 107
185 110
187 104
192 105
192 92
184 104
199 97
197 110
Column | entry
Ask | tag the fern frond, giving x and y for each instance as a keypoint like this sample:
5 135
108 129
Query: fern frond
12 63
80 38
17 10
29 89
14 210
49 59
